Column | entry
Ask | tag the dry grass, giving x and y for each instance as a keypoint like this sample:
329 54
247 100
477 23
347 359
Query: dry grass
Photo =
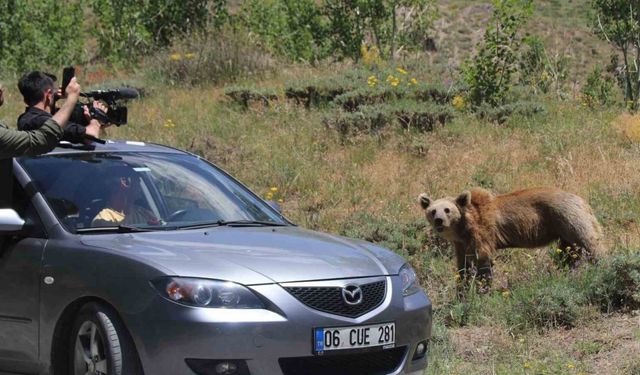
628 126
324 180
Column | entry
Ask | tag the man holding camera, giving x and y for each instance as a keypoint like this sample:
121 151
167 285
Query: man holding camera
14 143
39 93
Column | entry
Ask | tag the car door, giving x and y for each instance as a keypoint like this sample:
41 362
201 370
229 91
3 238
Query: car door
20 273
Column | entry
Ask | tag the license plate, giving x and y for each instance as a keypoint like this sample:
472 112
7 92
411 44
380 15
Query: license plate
355 337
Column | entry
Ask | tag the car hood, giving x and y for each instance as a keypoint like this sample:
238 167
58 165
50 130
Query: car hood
253 255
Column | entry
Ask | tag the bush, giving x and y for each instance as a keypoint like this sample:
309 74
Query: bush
211 57
598 90
405 114
39 34
378 23
616 21
501 114
540 71
291 28
125 29
549 303
615 283
490 72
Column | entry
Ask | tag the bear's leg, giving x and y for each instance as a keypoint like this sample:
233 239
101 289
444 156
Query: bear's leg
484 271
463 269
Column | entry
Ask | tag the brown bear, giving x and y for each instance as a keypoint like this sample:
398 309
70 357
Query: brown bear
477 223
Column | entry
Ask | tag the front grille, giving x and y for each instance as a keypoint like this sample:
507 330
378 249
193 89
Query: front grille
372 363
329 299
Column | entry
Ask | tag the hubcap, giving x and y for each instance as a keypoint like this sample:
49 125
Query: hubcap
89 354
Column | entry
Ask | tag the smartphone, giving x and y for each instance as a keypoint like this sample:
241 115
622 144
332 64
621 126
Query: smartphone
67 73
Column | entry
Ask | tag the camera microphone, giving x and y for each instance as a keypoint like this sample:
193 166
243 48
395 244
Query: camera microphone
114 94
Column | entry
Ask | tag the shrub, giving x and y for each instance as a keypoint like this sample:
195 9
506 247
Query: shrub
387 25
540 71
501 114
39 34
615 283
551 302
211 57
125 29
490 72
369 120
410 114
406 114
598 89
291 28
616 21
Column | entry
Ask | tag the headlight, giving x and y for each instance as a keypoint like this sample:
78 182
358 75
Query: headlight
207 293
410 284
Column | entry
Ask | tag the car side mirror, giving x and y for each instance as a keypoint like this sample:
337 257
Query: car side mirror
275 206
10 221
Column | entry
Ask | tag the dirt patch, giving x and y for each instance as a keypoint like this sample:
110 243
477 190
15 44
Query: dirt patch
608 345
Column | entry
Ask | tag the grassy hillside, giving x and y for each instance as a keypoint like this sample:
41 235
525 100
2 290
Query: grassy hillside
538 318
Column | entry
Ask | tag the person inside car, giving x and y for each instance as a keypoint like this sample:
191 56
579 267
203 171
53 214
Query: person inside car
122 207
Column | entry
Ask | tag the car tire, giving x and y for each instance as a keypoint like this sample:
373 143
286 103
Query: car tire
100 345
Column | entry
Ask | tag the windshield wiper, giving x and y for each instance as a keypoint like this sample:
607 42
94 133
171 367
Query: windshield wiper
249 223
116 229
234 223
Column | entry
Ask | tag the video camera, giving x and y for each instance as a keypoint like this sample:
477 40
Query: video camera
116 111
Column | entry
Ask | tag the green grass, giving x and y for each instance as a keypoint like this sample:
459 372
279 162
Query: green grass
537 319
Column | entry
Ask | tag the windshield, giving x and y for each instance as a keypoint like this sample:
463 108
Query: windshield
144 191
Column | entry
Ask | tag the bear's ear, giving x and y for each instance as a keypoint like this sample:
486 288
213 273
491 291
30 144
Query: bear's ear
464 199
425 201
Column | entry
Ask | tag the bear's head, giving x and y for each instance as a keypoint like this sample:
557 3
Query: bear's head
445 214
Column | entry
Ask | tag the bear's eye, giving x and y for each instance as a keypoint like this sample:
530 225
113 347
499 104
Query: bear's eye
446 210
433 212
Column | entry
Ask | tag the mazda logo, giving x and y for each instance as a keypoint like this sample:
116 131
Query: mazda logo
352 294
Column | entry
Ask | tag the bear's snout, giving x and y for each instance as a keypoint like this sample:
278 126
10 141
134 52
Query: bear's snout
438 221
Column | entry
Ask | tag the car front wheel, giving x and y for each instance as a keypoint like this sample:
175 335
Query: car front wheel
100 345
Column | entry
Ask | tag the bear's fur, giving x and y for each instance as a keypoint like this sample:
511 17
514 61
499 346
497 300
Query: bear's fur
477 223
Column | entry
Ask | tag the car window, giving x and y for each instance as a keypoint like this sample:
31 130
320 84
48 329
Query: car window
144 190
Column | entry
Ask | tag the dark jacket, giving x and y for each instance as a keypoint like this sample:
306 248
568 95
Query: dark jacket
33 118
14 143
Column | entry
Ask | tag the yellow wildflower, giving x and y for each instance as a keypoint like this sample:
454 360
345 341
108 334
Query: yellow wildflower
457 276
393 81
372 81
570 365
413 81
280 200
505 293
526 365
558 250
370 56
169 124
458 102
269 195
521 340
274 189
401 71
175 57
189 56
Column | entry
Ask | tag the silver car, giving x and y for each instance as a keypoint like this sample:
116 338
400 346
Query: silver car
131 258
